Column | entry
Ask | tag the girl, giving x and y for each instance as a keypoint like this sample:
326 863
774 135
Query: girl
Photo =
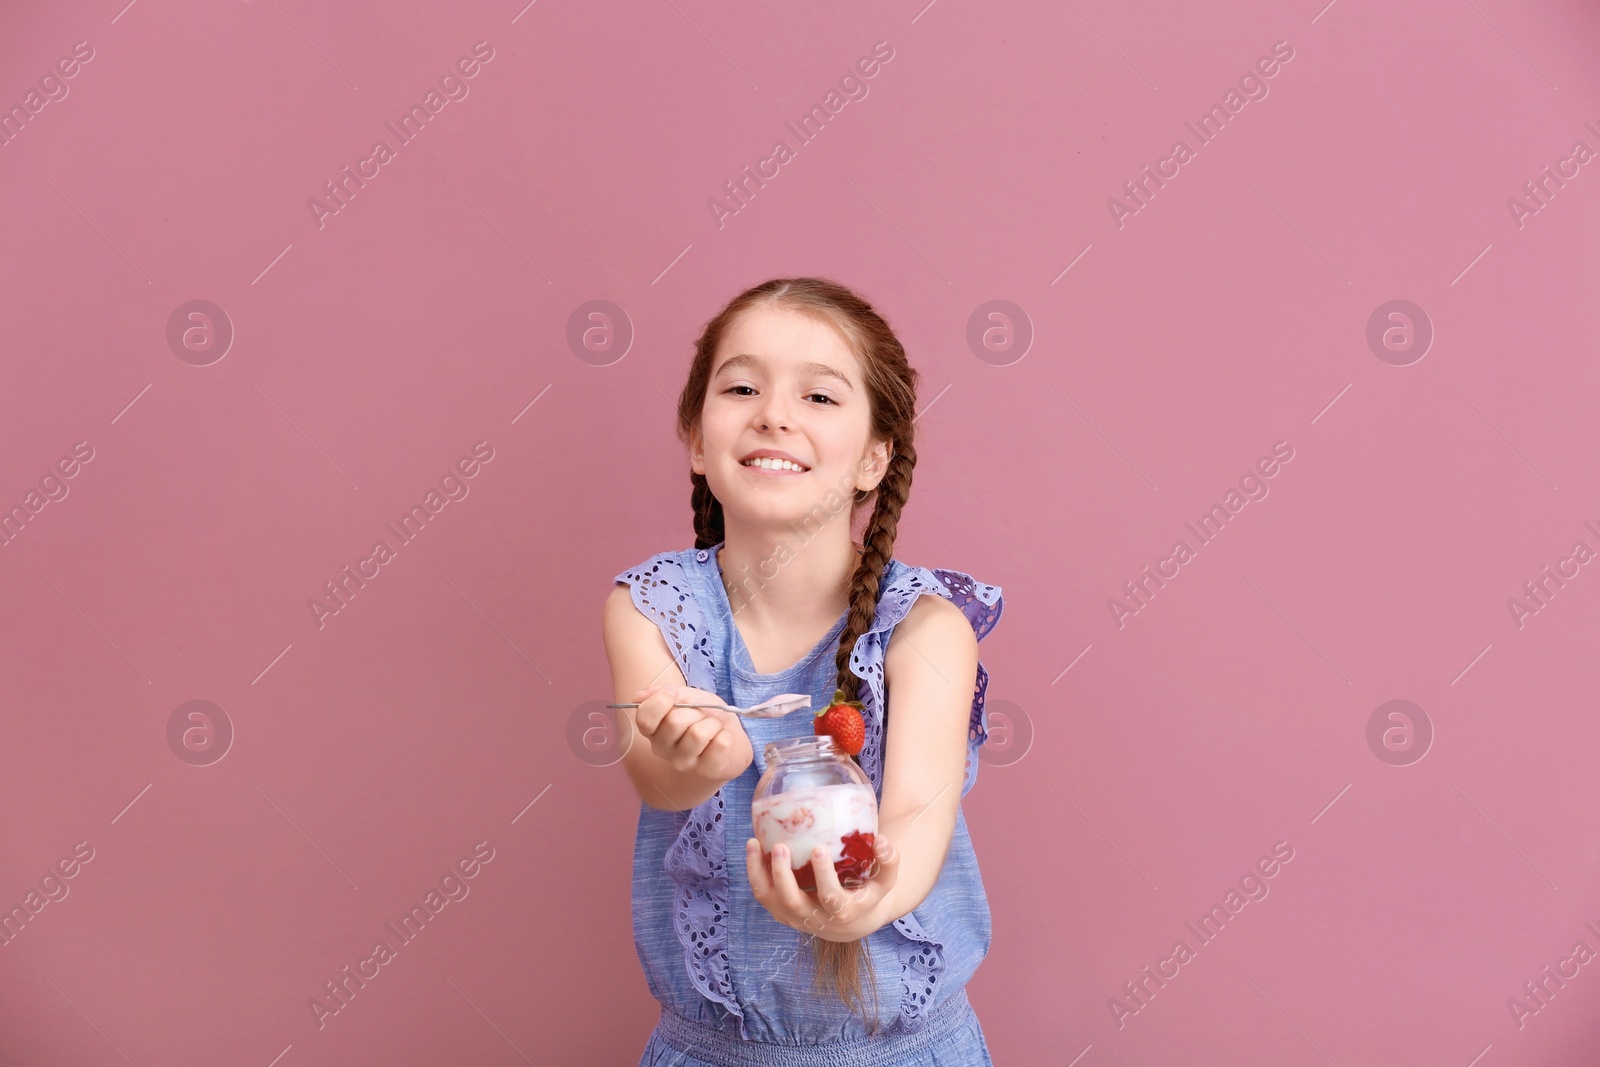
776 597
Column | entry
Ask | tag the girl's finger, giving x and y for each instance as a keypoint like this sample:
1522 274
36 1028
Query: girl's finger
647 714
699 736
788 889
755 868
828 886
888 861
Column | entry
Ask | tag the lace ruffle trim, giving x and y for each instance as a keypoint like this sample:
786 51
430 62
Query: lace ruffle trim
697 859
922 962
982 605
697 862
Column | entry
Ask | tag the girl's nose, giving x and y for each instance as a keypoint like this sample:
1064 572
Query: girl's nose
774 414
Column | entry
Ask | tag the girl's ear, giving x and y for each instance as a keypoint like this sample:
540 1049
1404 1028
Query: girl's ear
878 465
697 458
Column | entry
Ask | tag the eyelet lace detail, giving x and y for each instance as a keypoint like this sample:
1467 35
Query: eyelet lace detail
922 960
980 603
661 592
697 859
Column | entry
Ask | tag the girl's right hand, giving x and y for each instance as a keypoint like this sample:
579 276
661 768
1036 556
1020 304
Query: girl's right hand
708 742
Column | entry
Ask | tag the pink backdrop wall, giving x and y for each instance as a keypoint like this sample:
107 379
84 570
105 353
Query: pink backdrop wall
1429 465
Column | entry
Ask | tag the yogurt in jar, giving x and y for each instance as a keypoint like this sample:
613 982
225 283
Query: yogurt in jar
840 818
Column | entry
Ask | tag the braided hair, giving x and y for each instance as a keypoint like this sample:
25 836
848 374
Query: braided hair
891 384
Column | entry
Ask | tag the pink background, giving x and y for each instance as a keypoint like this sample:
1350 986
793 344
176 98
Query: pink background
431 713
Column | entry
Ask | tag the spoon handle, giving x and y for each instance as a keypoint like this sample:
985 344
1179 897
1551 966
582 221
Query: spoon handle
724 707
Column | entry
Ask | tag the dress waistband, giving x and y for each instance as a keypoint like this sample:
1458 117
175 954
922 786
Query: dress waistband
717 1046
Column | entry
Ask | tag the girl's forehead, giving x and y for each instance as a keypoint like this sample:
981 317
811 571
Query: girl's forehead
777 339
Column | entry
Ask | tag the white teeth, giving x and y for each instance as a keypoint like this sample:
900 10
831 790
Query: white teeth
774 464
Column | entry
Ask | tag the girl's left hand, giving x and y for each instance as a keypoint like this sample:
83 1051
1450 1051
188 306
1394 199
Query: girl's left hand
833 912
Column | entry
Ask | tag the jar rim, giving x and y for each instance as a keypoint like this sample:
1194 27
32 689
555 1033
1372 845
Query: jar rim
817 747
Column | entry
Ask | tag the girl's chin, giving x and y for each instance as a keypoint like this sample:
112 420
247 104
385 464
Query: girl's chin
758 491
780 514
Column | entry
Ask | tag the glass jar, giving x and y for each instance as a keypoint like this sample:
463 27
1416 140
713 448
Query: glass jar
814 794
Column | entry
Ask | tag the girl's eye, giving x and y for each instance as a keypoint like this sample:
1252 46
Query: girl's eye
735 388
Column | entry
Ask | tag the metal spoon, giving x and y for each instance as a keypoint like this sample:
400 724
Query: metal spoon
779 705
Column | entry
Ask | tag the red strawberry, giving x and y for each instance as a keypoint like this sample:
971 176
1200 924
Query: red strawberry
860 861
842 721
859 864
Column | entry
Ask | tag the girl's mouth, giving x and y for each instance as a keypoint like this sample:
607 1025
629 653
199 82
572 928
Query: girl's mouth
772 467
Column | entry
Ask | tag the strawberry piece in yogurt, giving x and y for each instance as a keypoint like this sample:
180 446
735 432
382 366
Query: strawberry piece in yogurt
842 819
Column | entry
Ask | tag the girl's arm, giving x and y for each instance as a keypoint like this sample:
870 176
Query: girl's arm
639 660
930 674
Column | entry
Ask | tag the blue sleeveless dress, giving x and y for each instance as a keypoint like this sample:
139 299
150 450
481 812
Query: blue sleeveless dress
734 983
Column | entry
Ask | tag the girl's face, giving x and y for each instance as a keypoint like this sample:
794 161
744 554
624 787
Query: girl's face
782 381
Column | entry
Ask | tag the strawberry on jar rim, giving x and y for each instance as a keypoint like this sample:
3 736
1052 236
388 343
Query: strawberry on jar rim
842 721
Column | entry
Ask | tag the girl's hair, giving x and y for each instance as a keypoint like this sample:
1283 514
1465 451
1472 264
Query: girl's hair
891 384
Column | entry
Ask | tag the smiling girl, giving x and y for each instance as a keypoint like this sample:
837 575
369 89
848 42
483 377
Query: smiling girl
799 411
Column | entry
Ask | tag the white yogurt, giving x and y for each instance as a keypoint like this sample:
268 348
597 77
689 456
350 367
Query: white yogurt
810 816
